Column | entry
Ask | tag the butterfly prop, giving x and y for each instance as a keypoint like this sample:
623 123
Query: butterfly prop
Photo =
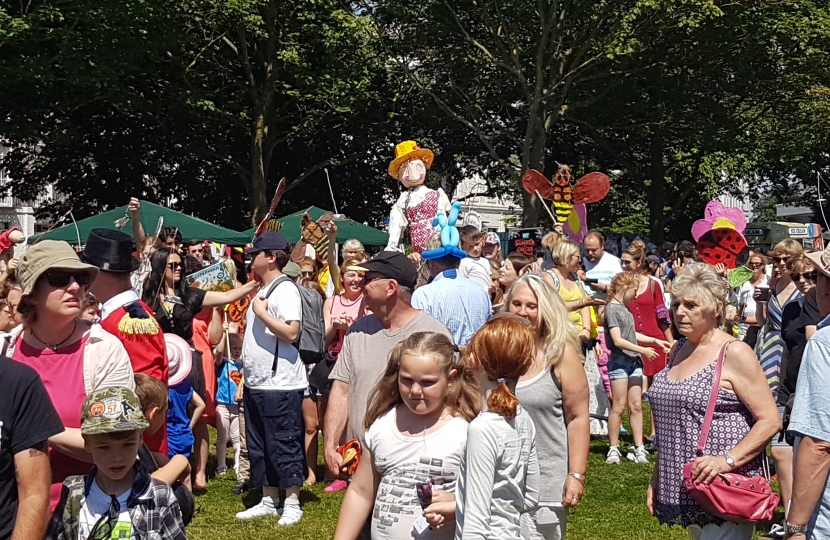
314 233
719 236
591 188
267 223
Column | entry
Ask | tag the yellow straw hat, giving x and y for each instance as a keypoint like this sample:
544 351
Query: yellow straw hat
409 150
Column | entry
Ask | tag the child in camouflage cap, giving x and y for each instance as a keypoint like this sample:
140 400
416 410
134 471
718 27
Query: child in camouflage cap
118 499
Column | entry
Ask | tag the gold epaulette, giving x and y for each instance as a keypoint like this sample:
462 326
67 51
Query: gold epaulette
131 326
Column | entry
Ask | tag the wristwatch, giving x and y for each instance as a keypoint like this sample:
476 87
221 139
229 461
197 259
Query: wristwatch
790 529
730 461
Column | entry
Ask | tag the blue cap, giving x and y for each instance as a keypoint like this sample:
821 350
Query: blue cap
268 241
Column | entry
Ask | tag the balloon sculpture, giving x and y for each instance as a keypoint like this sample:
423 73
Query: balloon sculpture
418 205
449 235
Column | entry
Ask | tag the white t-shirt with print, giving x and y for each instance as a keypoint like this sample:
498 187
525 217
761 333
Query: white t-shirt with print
97 504
402 461
260 343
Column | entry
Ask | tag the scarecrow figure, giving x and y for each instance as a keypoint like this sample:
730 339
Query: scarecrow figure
418 205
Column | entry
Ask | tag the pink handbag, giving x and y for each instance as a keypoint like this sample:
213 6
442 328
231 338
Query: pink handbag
733 497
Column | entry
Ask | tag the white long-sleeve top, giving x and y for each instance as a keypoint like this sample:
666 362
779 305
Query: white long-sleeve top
499 477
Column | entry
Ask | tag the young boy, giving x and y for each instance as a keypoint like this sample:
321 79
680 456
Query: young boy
152 394
118 499
474 266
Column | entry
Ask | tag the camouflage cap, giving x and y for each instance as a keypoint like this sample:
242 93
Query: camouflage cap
110 410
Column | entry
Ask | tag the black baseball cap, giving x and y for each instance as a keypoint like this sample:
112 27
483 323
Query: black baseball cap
391 265
268 241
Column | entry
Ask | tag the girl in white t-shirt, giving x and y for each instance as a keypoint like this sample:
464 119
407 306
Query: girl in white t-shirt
416 433
500 474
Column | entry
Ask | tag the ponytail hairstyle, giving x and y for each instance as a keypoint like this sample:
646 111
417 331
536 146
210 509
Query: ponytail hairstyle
622 282
504 348
462 395
637 251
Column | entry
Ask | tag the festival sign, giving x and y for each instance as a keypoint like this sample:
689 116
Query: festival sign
216 277
524 240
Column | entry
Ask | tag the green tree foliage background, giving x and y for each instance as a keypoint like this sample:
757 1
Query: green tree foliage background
206 104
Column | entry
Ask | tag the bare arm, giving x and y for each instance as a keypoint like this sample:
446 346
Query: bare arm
621 343
216 329
812 463
359 500
743 375
34 478
219 351
334 270
219 299
173 471
337 414
71 443
138 229
571 375
331 331
199 408
286 331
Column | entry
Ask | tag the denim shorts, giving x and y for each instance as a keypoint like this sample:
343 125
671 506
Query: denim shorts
624 367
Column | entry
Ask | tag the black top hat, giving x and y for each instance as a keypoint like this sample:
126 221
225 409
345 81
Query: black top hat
110 250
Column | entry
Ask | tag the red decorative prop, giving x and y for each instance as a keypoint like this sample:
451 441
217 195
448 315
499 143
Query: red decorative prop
534 181
725 246
591 188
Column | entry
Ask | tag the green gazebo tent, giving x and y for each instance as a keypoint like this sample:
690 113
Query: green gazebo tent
346 228
192 228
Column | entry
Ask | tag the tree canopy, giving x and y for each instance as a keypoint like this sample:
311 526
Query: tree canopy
206 104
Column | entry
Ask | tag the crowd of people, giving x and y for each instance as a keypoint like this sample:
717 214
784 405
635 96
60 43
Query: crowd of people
455 397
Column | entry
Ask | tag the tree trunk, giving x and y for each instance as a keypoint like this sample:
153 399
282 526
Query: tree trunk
656 194
531 205
256 194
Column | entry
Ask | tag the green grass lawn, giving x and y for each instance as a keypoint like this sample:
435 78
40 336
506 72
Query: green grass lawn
613 507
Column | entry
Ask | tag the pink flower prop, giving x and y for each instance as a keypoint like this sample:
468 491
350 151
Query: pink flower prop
719 216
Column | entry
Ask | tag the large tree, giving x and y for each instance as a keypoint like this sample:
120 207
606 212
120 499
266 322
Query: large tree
507 70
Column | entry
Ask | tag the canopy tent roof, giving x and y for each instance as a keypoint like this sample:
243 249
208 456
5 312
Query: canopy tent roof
192 228
346 228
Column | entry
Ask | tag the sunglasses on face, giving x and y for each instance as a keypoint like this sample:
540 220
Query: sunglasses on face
174 266
756 264
307 274
627 263
62 279
808 276
780 259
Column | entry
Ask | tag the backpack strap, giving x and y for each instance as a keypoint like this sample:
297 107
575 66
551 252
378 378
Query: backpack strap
282 279
713 399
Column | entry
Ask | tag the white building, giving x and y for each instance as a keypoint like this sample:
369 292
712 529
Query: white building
16 213
493 210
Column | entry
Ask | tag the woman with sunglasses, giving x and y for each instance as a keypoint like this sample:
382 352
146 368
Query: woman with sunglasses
747 307
799 321
72 356
176 305
782 291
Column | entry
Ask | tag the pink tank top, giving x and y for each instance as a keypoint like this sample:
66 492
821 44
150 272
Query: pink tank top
62 371
338 308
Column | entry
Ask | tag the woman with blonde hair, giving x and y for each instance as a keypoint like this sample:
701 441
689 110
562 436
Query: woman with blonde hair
744 417
555 393
782 291
566 261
